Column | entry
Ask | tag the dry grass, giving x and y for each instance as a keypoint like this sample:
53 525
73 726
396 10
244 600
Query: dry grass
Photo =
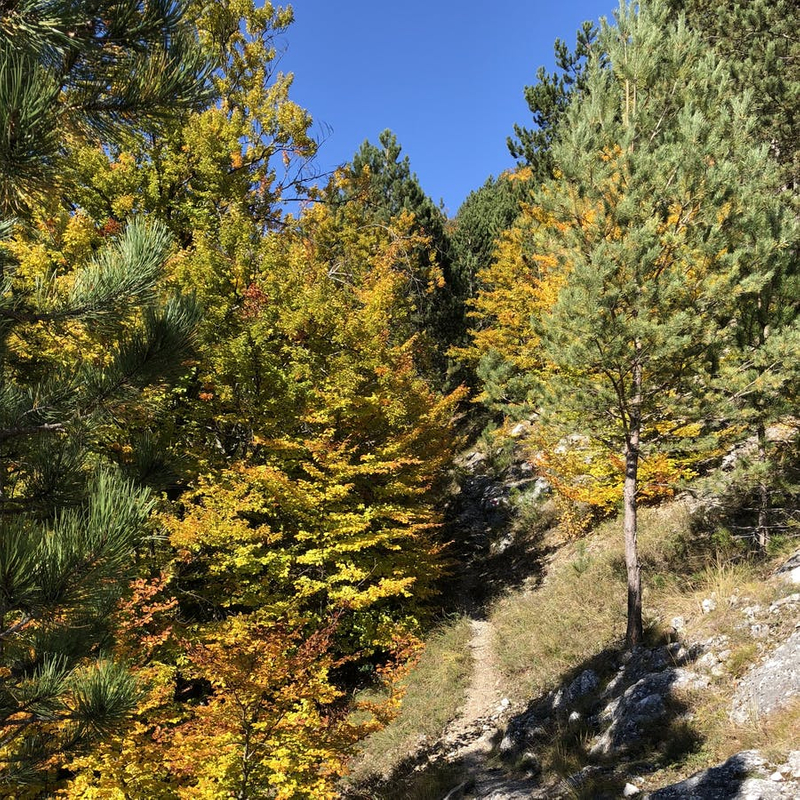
580 608
434 691
577 617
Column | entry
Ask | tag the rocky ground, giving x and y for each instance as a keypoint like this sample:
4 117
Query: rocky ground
621 712
636 697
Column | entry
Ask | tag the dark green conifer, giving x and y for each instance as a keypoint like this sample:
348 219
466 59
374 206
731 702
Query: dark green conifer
74 72
671 227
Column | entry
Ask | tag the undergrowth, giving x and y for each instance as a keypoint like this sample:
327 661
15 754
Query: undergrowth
575 618
434 691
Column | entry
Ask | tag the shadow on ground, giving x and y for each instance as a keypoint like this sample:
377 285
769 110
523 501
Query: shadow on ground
488 551
615 716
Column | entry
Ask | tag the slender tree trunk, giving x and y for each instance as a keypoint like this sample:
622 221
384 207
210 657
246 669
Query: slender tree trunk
635 631
762 530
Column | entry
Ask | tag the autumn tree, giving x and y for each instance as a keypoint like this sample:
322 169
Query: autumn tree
383 184
667 218
311 446
482 218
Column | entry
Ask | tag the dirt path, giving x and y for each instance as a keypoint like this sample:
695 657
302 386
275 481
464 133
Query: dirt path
484 701
473 735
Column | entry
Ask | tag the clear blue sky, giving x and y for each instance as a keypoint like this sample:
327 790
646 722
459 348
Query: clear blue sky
447 77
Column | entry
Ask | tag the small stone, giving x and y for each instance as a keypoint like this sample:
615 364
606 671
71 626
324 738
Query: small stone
759 631
724 655
793 762
708 605
708 660
678 624
776 776
475 458
520 429
574 718
791 599
507 744
630 790
505 702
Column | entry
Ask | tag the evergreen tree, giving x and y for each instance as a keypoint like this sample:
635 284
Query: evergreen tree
382 181
759 41
548 100
668 226
90 69
76 339
483 216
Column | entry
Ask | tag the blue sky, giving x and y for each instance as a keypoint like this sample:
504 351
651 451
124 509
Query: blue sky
447 77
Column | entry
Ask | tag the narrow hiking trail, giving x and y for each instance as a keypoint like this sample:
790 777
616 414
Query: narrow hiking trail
472 737
483 703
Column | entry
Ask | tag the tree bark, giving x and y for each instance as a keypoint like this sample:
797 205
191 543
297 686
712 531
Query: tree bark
635 631
762 529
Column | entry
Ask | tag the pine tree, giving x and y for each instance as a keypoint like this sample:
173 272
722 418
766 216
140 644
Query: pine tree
548 100
668 226
482 218
76 339
758 39
86 70
383 183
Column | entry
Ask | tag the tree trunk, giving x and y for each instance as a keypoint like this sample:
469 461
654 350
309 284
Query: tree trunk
635 631
762 529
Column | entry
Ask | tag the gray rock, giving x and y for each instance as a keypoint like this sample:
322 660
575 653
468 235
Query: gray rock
793 763
584 684
759 631
724 782
520 429
751 611
631 714
688 679
630 790
507 744
778 606
790 570
769 685
474 458
528 762
708 605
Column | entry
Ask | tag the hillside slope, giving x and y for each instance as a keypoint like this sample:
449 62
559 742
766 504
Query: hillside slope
555 707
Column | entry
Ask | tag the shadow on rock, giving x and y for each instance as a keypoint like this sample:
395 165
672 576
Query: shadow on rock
489 554
618 715
732 780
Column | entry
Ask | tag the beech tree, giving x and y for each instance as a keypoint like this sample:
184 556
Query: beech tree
667 223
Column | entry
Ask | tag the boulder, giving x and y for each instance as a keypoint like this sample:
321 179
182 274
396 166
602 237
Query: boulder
769 685
741 777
